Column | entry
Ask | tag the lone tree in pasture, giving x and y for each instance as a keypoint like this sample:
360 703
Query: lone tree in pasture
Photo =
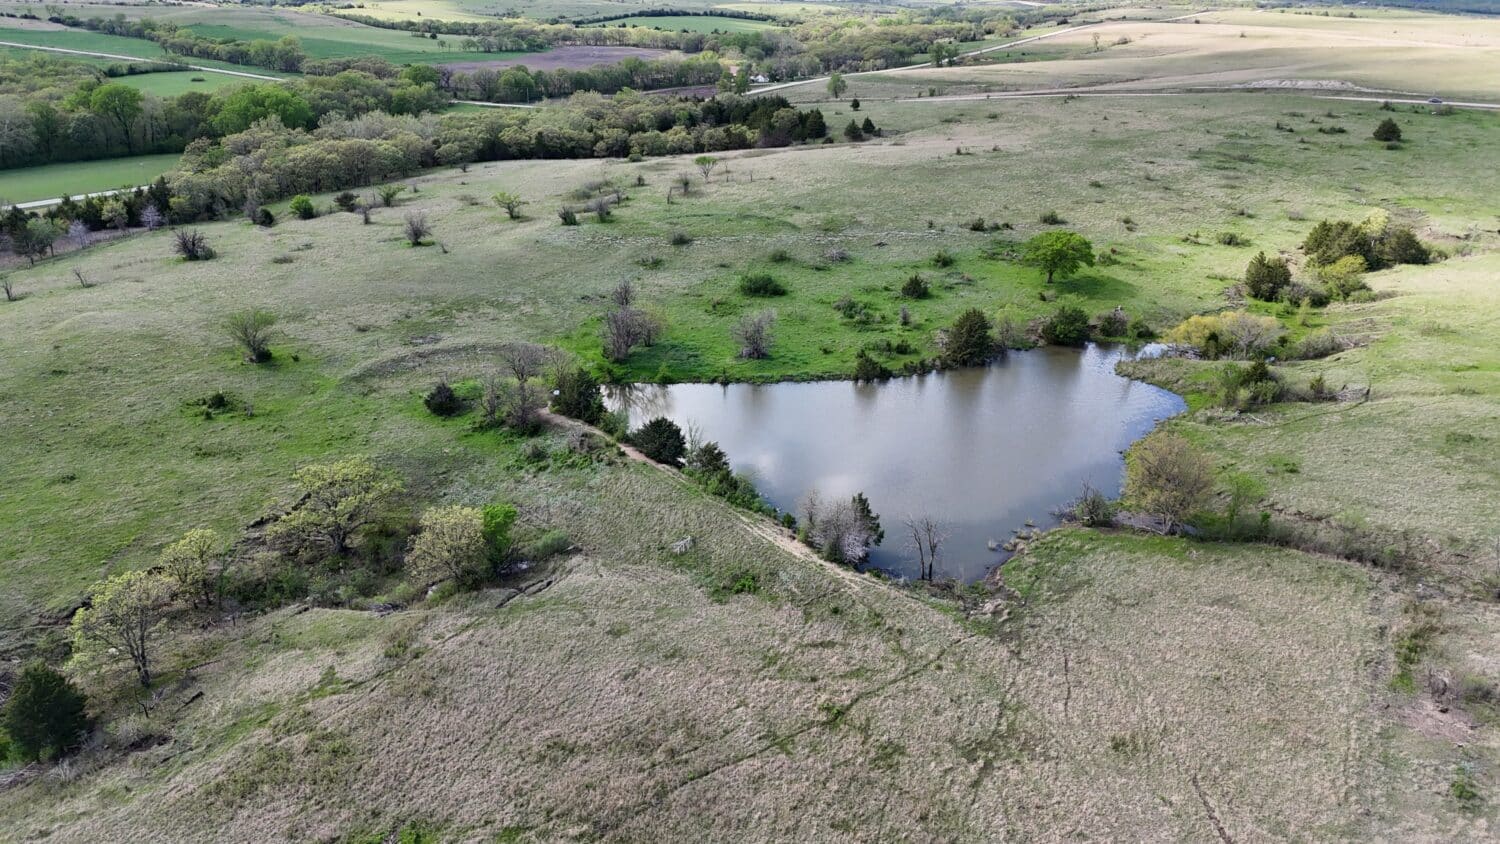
1388 131
252 331
416 228
1058 253
753 333
836 85
525 361
1168 478
706 165
123 618
969 341
511 203
335 502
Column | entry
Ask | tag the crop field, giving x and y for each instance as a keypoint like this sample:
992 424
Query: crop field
97 42
1118 686
54 180
691 23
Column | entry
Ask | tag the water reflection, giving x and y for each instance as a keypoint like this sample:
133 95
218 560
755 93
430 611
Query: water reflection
984 450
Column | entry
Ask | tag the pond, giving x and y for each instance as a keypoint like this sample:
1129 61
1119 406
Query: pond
984 450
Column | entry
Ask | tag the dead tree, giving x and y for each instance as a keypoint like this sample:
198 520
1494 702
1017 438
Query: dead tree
927 537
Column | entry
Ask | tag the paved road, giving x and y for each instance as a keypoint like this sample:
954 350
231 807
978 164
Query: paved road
43 203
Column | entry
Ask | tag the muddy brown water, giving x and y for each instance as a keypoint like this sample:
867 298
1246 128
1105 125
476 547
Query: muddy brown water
984 450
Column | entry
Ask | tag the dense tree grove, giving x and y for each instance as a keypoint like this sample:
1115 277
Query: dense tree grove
73 115
520 84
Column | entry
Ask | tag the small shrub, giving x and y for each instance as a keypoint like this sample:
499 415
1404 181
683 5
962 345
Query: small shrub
915 287
867 368
576 394
302 206
1319 344
346 201
1231 239
1265 278
661 440
681 239
760 284
1052 218
1113 323
568 216
977 224
252 331
442 400
1093 509
1069 326
388 194
942 259
45 715
1388 131
415 228
192 245
779 256
264 218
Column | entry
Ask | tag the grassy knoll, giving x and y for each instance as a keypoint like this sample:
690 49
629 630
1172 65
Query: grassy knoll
54 180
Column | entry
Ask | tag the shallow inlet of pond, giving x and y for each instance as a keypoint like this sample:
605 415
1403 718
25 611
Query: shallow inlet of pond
984 450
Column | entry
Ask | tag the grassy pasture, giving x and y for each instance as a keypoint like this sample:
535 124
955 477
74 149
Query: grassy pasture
54 180
172 83
1146 688
691 23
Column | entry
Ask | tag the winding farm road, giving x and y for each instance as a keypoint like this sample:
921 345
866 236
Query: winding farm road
242 73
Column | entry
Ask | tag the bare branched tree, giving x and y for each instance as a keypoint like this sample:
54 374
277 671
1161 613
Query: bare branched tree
927 536
753 333
626 328
525 360
623 296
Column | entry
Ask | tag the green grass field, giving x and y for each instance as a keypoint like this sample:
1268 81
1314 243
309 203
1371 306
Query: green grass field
79 39
172 83
55 180
691 23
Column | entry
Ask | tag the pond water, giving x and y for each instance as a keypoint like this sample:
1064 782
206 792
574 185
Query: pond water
984 450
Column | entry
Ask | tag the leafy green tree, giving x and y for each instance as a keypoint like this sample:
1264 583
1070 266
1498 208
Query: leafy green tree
246 105
192 564
46 715
836 85
1265 278
709 459
816 126
1058 253
499 519
868 127
1388 131
868 518
1069 326
969 341
120 104
449 544
336 500
123 617
852 132
661 440
421 74
1168 478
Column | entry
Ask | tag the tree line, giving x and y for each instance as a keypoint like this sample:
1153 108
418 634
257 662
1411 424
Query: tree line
99 118
284 54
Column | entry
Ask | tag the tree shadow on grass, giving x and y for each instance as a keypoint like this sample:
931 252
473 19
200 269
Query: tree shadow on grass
1097 286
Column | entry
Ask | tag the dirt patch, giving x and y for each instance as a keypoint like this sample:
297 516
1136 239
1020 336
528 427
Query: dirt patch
560 57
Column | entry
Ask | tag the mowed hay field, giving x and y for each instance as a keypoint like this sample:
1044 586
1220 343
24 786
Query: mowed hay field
1128 688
